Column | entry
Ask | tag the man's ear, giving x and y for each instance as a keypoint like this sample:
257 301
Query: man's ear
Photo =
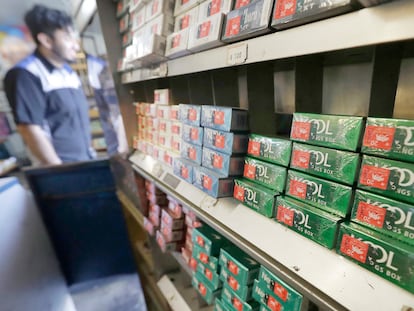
45 40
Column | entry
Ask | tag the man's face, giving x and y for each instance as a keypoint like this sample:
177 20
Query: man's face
65 44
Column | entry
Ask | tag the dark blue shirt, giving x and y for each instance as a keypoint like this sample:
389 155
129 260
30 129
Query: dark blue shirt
42 94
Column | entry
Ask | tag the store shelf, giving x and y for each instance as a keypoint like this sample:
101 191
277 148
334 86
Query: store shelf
389 22
328 279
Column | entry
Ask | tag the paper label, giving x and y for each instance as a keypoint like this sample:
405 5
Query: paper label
375 177
379 137
371 214
285 215
301 158
301 130
354 248
298 189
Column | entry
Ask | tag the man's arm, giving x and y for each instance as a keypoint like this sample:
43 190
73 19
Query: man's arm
39 144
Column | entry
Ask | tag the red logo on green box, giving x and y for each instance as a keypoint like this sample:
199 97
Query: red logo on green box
233 268
280 291
379 137
238 193
208 274
233 283
237 304
253 148
204 258
354 248
200 241
202 289
285 215
298 188
300 158
249 171
301 130
273 304
371 214
376 177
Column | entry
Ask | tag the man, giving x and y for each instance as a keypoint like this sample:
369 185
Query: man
46 96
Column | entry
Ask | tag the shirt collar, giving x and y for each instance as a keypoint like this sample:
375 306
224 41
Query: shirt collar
49 66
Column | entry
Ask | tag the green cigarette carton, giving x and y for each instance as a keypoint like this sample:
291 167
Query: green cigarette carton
391 217
266 174
237 304
342 132
390 138
258 198
270 149
328 195
221 306
243 291
386 257
336 165
201 285
289 297
209 240
212 278
390 178
312 223
244 268
264 296
201 256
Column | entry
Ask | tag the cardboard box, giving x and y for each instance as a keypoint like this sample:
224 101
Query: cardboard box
191 152
212 183
390 217
190 114
211 7
221 163
240 265
231 298
266 299
386 257
390 178
289 297
162 100
201 285
182 6
390 138
183 169
332 131
211 277
243 291
186 19
258 198
201 256
286 15
265 174
336 165
224 118
225 142
270 149
177 44
327 195
249 21
206 34
308 221
192 134
209 240
157 7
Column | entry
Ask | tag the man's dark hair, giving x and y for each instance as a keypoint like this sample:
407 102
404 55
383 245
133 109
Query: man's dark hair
41 19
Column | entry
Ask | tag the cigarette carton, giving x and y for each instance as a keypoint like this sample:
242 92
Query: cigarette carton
263 296
336 165
386 257
176 128
224 118
266 174
209 240
183 169
274 150
211 7
201 285
211 277
157 7
206 34
149 226
258 198
177 44
286 295
171 235
212 183
190 114
248 21
191 152
390 138
164 245
186 19
201 256
225 142
342 132
162 100
192 134
231 298
287 14
137 18
390 178
182 6
240 265
170 220
175 113
223 164
327 195
221 306
308 221
243 291
390 217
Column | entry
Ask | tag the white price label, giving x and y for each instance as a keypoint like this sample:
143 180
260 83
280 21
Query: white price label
237 54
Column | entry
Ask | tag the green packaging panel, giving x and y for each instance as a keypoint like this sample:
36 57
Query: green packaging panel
221 306
270 149
224 118
266 174
389 258
336 165
209 240
308 221
201 285
342 132
243 291
258 198
244 268
390 138
226 142
391 217
289 297
201 256
390 178
212 278
229 297
328 195
266 299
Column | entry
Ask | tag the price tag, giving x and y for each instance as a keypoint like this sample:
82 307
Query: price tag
237 54
171 180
